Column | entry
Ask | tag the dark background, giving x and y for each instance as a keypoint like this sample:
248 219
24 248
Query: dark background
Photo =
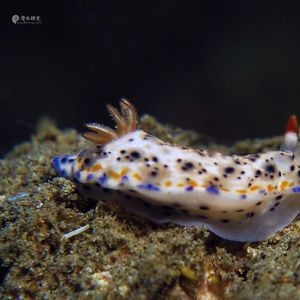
229 69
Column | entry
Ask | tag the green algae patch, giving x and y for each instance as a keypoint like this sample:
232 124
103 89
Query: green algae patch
56 245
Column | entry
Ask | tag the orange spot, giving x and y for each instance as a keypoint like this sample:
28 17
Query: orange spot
193 183
96 168
180 185
124 171
137 176
255 187
291 184
168 183
242 191
224 189
283 184
113 174
270 188
292 125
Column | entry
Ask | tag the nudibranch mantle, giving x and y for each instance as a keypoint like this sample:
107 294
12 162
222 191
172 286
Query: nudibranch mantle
240 198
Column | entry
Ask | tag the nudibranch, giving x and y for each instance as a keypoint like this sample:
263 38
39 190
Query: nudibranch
240 198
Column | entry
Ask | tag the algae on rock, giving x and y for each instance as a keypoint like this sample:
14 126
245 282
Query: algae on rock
122 256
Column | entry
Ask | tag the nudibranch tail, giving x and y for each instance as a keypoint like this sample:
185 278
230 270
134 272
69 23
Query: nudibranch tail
126 121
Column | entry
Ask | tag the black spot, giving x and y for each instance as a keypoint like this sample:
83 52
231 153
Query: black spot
203 207
131 140
153 173
165 166
146 159
189 165
258 173
229 170
250 214
292 168
278 197
258 203
179 160
239 210
123 151
270 169
63 160
87 161
299 173
225 221
135 155
118 158
71 160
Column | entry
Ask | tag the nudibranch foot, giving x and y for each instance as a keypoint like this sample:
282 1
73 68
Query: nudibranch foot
240 198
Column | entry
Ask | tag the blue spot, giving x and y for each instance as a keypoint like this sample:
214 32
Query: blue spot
60 166
56 163
63 173
150 187
125 178
90 177
57 166
296 189
213 190
262 191
243 196
78 175
189 189
103 179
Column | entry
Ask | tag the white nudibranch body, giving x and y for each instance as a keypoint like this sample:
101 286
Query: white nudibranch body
241 198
